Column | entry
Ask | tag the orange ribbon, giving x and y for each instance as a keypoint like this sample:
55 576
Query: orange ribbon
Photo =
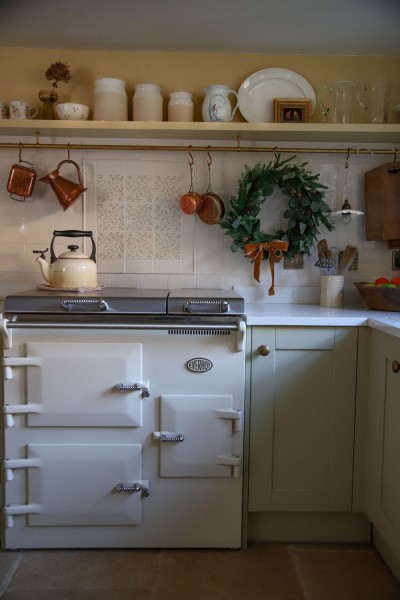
275 250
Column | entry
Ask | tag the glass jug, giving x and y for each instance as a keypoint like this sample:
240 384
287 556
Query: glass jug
341 101
376 95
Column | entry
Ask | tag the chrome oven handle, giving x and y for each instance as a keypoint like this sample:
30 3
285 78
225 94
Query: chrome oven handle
90 304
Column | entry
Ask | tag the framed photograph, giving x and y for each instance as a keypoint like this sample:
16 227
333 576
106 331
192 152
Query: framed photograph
292 110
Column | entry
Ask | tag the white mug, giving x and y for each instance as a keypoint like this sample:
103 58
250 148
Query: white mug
21 110
4 110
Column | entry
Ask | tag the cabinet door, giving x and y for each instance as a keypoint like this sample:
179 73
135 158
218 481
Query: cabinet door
383 438
302 418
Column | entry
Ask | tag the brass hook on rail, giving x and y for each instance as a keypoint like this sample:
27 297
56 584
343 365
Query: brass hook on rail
37 135
209 161
238 138
395 168
191 159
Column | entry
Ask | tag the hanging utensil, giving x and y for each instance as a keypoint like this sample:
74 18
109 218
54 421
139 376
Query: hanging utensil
213 208
66 191
21 179
325 256
191 202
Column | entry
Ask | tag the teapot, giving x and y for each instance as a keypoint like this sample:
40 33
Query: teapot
340 108
70 269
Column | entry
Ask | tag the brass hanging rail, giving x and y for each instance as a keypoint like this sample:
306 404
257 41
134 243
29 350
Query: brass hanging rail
273 149
184 148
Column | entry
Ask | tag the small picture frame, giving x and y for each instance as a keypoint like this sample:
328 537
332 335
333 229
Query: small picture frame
292 110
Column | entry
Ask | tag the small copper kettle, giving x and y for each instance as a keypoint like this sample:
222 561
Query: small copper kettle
66 191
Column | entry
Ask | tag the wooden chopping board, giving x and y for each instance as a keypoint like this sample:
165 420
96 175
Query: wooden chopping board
382 204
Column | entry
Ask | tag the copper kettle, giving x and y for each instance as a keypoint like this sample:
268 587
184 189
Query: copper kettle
66 191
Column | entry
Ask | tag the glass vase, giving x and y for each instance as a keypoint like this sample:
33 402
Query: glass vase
49 99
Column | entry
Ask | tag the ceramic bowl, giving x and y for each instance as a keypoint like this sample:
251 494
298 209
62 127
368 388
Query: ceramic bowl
379 298
72 112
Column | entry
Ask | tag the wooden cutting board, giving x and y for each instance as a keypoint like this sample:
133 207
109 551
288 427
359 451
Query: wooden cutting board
382 204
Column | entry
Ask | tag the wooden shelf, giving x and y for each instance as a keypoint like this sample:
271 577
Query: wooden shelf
248 132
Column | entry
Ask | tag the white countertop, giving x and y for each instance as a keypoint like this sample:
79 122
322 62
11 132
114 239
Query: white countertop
315 315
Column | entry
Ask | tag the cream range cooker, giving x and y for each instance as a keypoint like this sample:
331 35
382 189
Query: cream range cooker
123 419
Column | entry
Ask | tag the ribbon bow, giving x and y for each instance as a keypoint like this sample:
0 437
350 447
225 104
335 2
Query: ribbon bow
275 250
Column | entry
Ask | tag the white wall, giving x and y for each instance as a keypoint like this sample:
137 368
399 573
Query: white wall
158 246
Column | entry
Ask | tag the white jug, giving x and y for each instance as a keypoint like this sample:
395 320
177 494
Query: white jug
216 104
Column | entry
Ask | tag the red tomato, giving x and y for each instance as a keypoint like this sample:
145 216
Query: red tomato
381 281
396 281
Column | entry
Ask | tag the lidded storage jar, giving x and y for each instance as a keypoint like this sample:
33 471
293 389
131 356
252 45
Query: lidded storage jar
110 100
147 102
180 106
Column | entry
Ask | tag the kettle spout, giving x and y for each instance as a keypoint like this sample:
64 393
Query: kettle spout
44 267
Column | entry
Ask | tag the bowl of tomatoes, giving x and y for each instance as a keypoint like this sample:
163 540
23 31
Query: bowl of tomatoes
381 294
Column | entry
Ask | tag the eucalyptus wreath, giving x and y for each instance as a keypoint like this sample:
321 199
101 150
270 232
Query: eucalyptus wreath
305 213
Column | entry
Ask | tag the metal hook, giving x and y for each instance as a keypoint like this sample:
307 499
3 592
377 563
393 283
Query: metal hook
20 152
209 162
395 168
68 149
276 154
191 159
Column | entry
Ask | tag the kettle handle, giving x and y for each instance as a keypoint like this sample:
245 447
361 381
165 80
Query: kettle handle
67 160
72 233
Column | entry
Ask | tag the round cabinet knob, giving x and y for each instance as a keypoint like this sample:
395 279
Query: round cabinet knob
263 350
395 366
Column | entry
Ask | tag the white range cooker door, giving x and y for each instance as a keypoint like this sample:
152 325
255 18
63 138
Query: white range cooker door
80 484
196 436
81 384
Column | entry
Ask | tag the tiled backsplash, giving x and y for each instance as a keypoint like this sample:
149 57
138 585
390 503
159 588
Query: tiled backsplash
144 240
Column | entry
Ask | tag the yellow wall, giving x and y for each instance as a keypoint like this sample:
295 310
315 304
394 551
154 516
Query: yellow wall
22 72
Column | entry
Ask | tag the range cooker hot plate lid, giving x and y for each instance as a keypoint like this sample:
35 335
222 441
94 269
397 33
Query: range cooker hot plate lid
204 301
129 301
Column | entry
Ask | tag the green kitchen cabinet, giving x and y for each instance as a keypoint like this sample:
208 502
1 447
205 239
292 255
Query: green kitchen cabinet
302 419
383 448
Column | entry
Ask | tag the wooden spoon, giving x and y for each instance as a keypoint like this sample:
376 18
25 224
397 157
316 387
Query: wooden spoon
347 258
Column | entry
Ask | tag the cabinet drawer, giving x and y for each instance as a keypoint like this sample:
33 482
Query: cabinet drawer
305 338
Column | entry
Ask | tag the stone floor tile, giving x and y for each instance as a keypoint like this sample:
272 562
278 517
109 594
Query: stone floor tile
260 572
343 573
136 594
9 562
86 570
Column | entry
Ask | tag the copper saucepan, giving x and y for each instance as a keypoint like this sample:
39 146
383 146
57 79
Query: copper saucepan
21 180
213 208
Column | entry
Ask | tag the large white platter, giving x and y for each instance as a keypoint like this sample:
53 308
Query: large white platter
257 92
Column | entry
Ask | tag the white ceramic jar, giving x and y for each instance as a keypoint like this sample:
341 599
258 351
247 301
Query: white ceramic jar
110 100
147 103
180 107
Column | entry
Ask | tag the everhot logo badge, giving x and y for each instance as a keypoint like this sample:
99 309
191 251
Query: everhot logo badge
199 365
